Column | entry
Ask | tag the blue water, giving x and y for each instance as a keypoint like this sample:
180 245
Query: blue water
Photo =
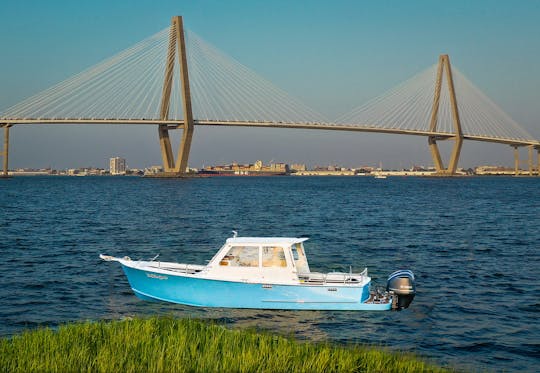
472 242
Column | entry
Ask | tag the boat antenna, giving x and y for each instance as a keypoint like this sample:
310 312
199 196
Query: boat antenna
235 233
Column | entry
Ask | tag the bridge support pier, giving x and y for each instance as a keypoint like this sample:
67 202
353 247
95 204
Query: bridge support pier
444 67
170 166
537 160
516 160
5 152
531 162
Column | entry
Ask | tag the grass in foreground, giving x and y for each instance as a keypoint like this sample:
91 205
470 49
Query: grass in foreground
171 345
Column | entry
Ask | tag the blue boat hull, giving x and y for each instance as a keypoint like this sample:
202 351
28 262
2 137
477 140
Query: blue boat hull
205 292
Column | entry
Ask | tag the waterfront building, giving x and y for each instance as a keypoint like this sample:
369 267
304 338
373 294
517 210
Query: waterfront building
257 168
494 170
298 167
153 170
117 166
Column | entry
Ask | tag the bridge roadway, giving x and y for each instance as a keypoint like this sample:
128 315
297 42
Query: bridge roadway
176 124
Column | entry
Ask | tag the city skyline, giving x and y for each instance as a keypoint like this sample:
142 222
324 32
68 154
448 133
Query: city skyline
118 166
315 64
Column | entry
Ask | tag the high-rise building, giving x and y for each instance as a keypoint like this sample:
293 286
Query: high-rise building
117 166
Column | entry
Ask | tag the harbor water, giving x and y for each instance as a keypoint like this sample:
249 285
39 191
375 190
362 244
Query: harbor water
473 243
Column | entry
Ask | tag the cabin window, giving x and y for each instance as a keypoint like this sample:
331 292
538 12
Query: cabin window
273 256
241 256
299 257
294 251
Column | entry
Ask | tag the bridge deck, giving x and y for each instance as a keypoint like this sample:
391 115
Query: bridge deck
318 126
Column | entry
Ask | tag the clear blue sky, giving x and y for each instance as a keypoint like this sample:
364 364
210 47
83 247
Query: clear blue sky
332 55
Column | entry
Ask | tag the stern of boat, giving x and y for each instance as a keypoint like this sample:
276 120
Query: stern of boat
401 287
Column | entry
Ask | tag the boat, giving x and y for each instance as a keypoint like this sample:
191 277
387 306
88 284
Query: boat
380 176
263 273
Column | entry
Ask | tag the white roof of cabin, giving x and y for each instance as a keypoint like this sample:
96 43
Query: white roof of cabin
284 241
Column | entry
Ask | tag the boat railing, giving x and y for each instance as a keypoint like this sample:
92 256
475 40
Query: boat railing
333 277
179 268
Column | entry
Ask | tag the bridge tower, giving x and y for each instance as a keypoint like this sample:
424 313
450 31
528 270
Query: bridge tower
444 67
176 41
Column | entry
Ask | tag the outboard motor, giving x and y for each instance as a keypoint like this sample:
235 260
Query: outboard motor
401 283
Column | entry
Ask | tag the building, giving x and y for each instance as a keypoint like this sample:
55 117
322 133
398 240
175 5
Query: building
298 167
494 170
153 170
117 166
257 168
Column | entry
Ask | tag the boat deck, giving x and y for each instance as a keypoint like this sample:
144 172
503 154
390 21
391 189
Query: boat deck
311 278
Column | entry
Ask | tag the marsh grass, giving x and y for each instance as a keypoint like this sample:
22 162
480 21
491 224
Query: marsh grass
184 345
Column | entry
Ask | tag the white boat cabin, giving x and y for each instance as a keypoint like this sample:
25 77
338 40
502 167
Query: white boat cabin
256 259
276 260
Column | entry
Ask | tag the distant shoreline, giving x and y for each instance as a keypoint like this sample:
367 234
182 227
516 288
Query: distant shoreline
393 174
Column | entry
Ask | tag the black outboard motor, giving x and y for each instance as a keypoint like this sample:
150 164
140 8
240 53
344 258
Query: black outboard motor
401 283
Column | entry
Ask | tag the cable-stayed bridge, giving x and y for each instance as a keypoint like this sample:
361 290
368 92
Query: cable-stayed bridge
174 79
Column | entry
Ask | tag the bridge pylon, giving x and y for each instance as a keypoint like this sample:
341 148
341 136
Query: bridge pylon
445 68
176 41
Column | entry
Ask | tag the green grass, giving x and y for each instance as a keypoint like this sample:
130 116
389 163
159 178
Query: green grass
172 345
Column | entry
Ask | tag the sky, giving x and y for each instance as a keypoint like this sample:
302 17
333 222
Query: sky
331 55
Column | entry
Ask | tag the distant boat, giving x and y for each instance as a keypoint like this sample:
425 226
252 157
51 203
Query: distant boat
263 273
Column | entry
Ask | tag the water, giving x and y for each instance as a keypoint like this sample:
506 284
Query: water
472 242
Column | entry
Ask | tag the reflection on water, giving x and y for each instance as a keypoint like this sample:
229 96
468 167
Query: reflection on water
472 243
